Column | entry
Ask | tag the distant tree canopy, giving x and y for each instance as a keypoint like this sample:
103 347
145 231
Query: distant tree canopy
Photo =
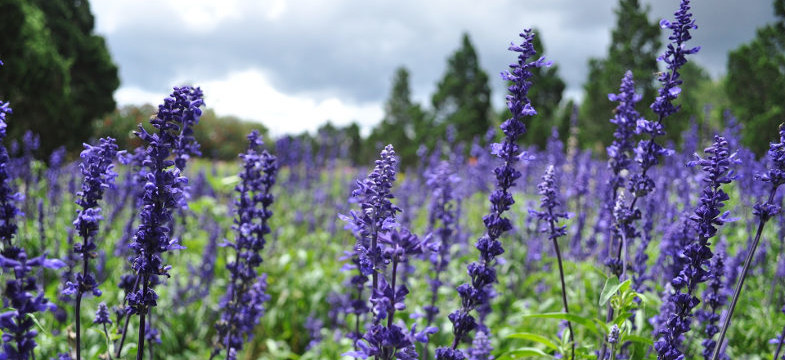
219 137
463 96
756 82
59 75
634 45
404 121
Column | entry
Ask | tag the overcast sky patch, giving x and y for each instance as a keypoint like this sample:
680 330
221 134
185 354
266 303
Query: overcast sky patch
295 64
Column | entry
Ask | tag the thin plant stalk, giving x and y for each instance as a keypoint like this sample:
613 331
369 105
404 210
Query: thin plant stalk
77 309
127 320
779 346
740 281
613 351
77 315
564 292
394 273
142 313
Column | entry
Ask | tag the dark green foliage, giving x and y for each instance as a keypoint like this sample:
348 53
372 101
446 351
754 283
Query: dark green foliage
404 123
59 76
545 97
693 106
756 82
634 45
354 141
220 137
462 97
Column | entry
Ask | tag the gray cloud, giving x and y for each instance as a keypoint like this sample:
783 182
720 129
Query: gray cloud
350 48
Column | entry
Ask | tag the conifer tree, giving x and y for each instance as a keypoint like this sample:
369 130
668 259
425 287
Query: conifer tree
463 96
756 82
634 45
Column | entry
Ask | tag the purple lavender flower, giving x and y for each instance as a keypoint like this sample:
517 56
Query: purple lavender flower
675 58
625 118
98 173
648 152
483 273
639 267
314 326
442 211
8 199
775 176
163 192
53 172
19 293
183 107
102 315
481 347
245 296
376 216
392 341
22 167
96 167
779 341
550 216
715 297
377 212
706 218
613 336
549 203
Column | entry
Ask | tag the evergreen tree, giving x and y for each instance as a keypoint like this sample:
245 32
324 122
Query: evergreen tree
403 125
693 104
354 142
59 75
756 82
546 97
463 96
634 45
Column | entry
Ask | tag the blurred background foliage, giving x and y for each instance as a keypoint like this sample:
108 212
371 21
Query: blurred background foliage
60 78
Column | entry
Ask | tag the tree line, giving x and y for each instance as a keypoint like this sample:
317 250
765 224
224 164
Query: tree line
60 78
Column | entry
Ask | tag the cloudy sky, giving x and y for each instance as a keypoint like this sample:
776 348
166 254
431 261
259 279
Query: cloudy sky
293 64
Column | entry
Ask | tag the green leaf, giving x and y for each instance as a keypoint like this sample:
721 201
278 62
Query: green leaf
536 338
637 339
623 287
643 298
230 180
621 317
586 322
37 323
524 352
612 287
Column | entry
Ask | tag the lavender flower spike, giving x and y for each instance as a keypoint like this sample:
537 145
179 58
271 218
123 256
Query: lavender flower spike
620 151
477 293
442 180
764 211
245 297
715 298
780 341
19 293
697 254
550 216
98 173
163 192
392 341
376 216
377 213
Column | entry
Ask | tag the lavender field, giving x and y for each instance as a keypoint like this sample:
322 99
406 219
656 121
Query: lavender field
660 244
